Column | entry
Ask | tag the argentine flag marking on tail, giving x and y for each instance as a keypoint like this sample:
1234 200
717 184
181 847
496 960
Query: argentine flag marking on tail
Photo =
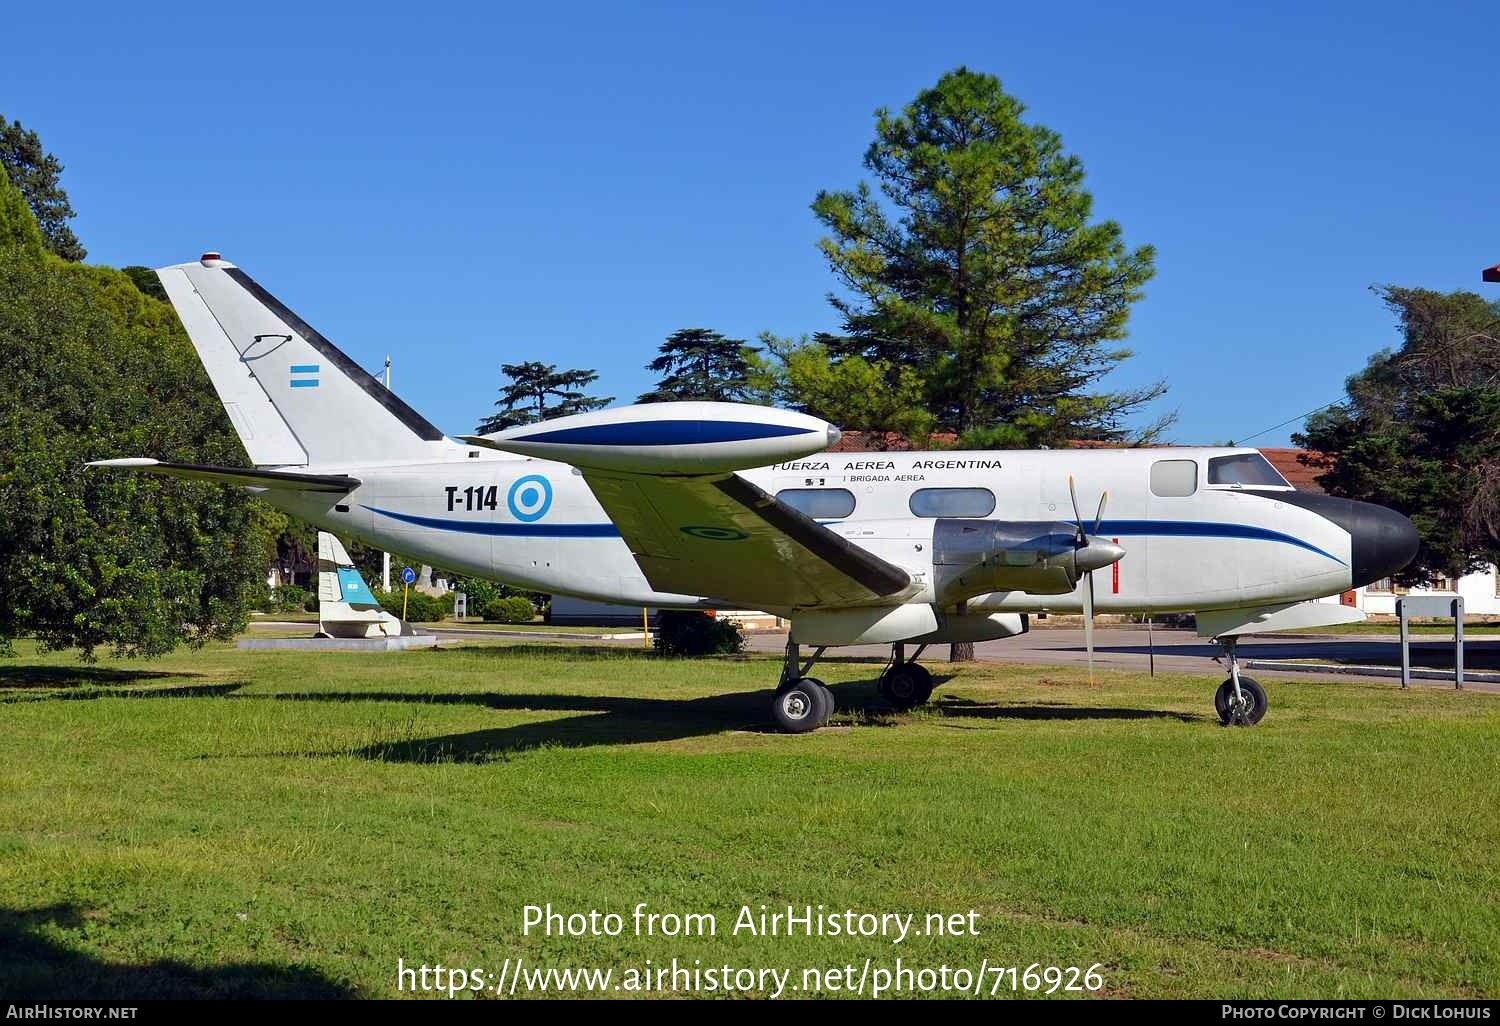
304 382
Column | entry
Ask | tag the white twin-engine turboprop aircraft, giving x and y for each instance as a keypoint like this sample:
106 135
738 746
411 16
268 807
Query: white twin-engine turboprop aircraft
718 505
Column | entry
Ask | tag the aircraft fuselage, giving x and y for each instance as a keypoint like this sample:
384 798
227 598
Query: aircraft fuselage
1194 538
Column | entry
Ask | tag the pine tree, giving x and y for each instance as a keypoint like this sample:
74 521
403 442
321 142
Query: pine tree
37 173
980 267
696 363
539 391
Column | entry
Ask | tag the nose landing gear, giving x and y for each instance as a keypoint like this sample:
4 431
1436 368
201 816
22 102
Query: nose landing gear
1240 700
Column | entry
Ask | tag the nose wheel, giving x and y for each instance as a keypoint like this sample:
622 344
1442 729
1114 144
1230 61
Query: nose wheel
1244 709
1240 700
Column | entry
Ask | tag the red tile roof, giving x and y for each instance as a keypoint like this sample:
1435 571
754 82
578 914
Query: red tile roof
1300 467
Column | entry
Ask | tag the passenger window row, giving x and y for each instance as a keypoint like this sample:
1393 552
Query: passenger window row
837 503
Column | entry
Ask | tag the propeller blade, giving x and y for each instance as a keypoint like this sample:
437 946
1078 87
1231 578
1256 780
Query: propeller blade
1099 516
1073 494
1088 624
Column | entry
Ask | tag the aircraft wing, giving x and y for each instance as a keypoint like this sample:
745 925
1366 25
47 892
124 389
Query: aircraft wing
721 536
664 473
283 479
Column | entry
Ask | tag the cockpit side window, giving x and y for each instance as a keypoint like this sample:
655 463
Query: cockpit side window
1174 478
1248 469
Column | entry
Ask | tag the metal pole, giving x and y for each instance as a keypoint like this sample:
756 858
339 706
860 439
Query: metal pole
1458 643
385 560
1405 643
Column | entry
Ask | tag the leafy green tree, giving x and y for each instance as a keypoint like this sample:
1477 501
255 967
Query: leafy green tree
146 280
696 363
539 391
1420 430
37 174
854 392
979 267
95 558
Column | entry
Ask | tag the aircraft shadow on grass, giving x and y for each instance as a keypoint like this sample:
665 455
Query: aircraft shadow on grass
966 709
614 720
611 719
39 967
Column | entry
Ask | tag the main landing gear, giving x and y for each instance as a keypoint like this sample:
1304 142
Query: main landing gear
801 703
1240 700
905 683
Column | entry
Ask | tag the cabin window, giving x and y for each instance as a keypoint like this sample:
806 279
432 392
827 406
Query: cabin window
1249 468
952 502
1174 478
819 503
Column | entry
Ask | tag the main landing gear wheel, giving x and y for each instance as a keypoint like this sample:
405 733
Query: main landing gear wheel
906 685
801 706
1247 710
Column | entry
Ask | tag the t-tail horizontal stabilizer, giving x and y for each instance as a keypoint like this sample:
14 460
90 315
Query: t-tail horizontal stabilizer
285 480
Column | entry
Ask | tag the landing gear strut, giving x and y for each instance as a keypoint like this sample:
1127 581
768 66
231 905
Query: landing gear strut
1240 700
906 684
801 703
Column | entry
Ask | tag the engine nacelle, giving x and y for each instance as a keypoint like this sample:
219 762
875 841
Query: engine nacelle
867 625
975 627
974 557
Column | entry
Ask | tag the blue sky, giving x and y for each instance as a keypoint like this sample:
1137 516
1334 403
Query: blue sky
463 186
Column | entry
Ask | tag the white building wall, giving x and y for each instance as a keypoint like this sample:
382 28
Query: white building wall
1477 590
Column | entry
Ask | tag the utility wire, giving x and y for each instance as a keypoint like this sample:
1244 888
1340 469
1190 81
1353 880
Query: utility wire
1293 420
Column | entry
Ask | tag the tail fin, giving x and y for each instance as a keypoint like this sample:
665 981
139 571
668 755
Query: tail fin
292 396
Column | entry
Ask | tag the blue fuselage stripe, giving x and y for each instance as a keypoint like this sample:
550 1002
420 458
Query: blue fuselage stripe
664 432
504 529
1202 529
1109 528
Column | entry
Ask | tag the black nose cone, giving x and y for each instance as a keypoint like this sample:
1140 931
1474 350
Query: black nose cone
1384 541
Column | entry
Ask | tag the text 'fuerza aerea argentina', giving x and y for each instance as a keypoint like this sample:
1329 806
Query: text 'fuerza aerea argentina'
749 921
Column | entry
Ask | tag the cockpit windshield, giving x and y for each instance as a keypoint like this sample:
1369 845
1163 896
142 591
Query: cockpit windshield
1249 470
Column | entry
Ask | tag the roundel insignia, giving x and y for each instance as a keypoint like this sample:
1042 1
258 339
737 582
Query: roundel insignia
529 498
715 533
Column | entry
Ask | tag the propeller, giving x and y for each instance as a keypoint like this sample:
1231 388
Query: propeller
1097 555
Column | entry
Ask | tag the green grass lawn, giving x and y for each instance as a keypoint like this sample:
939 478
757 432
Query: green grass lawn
234 822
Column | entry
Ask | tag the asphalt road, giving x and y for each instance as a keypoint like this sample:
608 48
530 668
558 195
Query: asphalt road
1179 651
